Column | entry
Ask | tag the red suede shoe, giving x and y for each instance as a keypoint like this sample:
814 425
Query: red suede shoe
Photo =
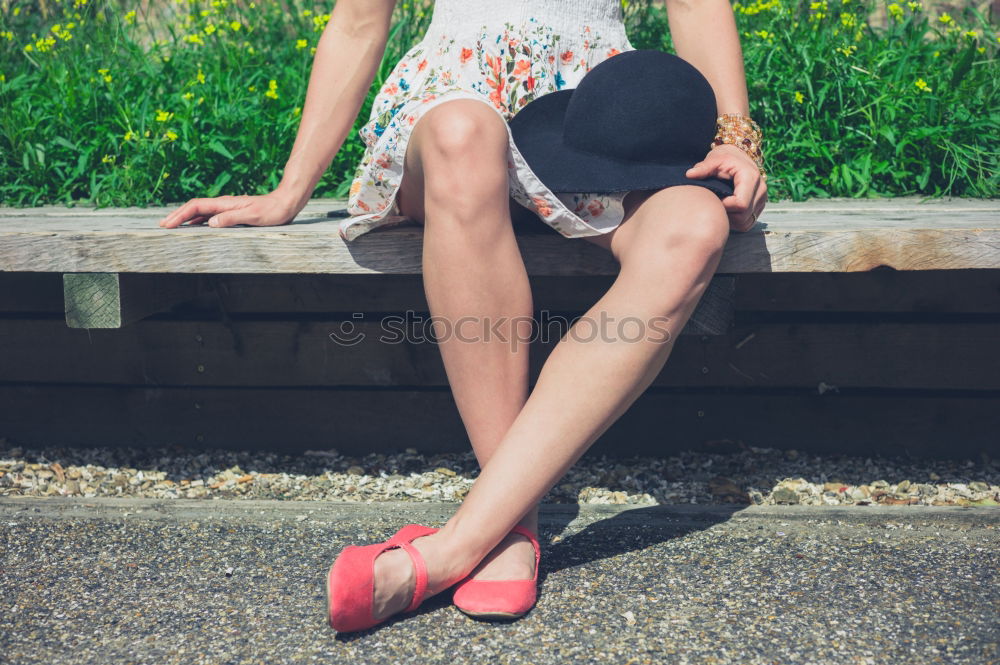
350 583
500 599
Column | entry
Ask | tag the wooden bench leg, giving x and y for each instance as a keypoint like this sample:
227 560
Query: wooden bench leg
113 300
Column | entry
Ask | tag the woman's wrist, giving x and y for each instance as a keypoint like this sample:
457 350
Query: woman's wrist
294 198
740 130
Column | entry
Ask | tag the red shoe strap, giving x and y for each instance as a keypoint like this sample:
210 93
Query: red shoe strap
534 543
420 569
524 532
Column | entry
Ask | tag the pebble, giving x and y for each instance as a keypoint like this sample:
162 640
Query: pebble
747 475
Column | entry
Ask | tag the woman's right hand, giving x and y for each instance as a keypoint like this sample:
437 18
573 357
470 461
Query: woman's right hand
268 210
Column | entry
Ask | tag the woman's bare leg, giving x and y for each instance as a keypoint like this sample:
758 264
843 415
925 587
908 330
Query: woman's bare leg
456 185
668 252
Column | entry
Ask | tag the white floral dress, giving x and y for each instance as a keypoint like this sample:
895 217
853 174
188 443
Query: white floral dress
503 53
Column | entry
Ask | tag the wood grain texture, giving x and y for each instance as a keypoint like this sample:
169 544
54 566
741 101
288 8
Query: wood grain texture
825 235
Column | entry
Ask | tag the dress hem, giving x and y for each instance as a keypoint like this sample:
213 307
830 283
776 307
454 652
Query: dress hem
355 226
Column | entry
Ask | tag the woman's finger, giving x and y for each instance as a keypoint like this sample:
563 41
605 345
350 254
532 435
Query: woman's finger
196 208
758 208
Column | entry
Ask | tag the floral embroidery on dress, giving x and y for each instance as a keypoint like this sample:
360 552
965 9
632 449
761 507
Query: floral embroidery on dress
504 64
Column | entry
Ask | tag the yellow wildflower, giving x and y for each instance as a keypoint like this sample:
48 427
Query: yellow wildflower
235 25
210 28
272 87
104 73
944 18
163 116
896 12
170 135
301 43
320 21
799 97
107 159
129 135
188 95
130 17
201 76
922 84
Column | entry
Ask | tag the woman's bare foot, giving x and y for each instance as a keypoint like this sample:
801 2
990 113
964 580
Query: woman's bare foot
395 578
513 558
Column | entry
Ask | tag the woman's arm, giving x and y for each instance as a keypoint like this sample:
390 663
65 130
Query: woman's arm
704 33
347 58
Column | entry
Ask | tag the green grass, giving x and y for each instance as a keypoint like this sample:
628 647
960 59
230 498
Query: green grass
111 109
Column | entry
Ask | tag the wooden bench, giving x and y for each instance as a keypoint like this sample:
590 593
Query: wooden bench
834 324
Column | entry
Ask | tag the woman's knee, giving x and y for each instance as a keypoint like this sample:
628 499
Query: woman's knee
463 139
458 147
463 127
689 218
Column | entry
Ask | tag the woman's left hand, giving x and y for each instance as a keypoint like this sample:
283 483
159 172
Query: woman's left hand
749 189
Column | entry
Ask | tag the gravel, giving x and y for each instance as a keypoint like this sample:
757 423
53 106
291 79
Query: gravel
740 475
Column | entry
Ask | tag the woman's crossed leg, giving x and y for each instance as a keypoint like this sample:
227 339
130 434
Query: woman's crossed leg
668 247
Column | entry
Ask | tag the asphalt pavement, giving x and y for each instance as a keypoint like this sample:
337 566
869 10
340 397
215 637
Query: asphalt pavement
106 580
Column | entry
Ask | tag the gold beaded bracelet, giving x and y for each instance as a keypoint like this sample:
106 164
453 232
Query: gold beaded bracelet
740 130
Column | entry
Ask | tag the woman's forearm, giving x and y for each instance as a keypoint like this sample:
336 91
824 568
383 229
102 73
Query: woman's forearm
347 58
704 33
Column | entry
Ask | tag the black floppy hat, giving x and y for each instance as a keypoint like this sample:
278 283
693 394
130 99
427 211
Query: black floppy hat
637 120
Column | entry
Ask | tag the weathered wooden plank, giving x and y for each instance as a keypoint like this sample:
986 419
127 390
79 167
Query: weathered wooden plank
112 300
31 292
355 422
842 235
925 291
827 356
954 291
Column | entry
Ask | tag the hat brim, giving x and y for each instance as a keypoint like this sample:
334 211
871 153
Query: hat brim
537 130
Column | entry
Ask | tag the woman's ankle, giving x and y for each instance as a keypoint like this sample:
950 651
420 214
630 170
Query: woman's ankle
446 563
530 520
455 558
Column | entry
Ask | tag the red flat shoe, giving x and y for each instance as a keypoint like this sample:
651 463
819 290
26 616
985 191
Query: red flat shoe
350 583
500 599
